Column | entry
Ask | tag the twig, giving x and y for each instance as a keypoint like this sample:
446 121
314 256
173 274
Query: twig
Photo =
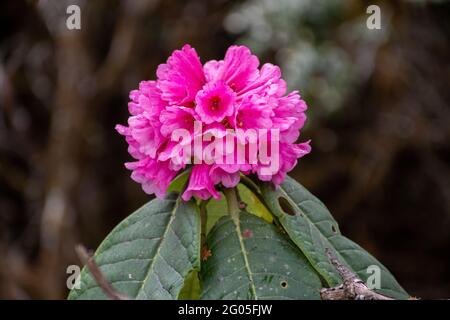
98 275
352 288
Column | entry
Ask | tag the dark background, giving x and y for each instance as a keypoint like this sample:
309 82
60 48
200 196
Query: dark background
379 120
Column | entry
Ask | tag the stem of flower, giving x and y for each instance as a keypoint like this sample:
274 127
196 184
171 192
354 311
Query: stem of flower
232 202
204 220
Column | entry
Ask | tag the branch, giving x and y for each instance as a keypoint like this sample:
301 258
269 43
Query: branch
97 274
352 287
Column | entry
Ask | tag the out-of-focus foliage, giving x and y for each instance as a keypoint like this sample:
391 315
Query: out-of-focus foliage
323 47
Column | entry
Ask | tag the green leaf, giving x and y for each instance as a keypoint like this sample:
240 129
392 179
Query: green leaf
177 185
218 208
215 209
254 206
253 260
312 228
149 254
191 289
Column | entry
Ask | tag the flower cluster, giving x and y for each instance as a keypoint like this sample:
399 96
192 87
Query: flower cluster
226 95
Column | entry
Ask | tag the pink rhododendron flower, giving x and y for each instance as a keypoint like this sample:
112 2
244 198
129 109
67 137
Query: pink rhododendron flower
201 184
213 103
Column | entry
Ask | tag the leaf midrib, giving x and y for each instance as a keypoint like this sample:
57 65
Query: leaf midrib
237 224
163 237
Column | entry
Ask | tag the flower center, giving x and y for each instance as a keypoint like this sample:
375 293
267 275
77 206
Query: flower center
239 122
214 103
190 104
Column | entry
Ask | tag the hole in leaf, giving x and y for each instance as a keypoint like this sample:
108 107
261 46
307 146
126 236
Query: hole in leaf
333 228
284 284
286 206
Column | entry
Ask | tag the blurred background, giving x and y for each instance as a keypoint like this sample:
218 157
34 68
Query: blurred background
379 120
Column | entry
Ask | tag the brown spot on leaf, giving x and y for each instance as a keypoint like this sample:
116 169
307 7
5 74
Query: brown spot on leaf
247 233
